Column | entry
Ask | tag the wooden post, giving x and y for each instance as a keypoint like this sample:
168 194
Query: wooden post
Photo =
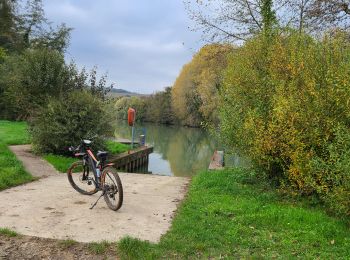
217 161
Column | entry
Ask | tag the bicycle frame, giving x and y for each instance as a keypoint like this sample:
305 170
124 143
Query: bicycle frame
112 190
89 157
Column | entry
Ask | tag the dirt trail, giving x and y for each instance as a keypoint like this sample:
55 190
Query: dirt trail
35 248
50 208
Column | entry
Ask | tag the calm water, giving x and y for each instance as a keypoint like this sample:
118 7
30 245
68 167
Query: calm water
178 151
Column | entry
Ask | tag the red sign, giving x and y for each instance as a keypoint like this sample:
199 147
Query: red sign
131 116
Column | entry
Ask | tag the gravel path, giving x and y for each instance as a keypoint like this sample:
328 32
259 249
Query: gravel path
51 208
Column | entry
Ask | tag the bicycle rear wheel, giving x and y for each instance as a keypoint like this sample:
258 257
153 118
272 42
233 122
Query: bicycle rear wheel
81 178
113 188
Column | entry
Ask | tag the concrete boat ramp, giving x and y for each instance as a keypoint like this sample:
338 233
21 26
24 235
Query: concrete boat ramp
51 208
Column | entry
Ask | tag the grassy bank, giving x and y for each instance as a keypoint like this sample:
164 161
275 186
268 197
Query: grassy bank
233 214
12 133
12 172
62 163
115 148
15 133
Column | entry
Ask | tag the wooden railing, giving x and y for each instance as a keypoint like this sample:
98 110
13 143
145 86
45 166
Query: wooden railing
133 160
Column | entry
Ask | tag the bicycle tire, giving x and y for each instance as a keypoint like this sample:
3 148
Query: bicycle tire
114 191
83 189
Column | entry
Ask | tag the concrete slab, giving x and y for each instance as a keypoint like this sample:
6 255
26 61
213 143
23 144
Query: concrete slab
51 208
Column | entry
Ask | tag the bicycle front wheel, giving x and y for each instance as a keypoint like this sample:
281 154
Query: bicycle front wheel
113 188
81 178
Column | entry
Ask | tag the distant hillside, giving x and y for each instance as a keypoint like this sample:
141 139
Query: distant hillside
117 92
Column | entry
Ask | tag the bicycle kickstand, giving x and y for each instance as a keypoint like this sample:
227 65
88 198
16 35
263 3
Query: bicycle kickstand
93 205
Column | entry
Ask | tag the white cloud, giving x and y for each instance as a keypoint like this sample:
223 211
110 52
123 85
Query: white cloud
142 44
65 10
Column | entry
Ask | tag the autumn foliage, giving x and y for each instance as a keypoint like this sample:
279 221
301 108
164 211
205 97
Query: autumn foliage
195 94
286 103
194 98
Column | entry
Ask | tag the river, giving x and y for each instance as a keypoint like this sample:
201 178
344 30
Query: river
178 151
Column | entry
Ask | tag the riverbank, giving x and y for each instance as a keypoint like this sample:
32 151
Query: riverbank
234 214
230 213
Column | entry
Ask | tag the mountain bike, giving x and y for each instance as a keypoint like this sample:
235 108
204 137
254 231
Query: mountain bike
92 174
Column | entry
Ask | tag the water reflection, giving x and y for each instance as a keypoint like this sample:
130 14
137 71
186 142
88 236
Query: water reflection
178 151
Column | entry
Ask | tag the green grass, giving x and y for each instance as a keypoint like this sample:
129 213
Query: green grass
62 163
67 243
115 148
8 232
230 214
99 248
12 172
12 133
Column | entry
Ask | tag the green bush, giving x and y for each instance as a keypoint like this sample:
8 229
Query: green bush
65 121
29 80
286 104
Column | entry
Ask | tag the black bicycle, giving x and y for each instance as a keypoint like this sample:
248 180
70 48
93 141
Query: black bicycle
93 174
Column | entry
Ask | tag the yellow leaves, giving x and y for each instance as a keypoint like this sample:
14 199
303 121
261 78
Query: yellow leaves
195 92
283 104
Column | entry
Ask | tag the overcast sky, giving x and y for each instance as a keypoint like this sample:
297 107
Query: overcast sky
142 44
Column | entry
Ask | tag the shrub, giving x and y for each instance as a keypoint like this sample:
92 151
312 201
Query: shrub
27 81
65 121
286 104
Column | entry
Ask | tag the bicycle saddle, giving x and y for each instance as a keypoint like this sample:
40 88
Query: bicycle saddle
87 142
102 154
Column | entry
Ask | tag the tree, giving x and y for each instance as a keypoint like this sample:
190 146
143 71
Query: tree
20 30
238 20
328 13
233 20
185 98
158 107
124 103
196 90
37 30
27 81
8 36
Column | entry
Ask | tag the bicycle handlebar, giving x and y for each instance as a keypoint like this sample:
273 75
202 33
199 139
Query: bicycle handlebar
78 148
74 149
